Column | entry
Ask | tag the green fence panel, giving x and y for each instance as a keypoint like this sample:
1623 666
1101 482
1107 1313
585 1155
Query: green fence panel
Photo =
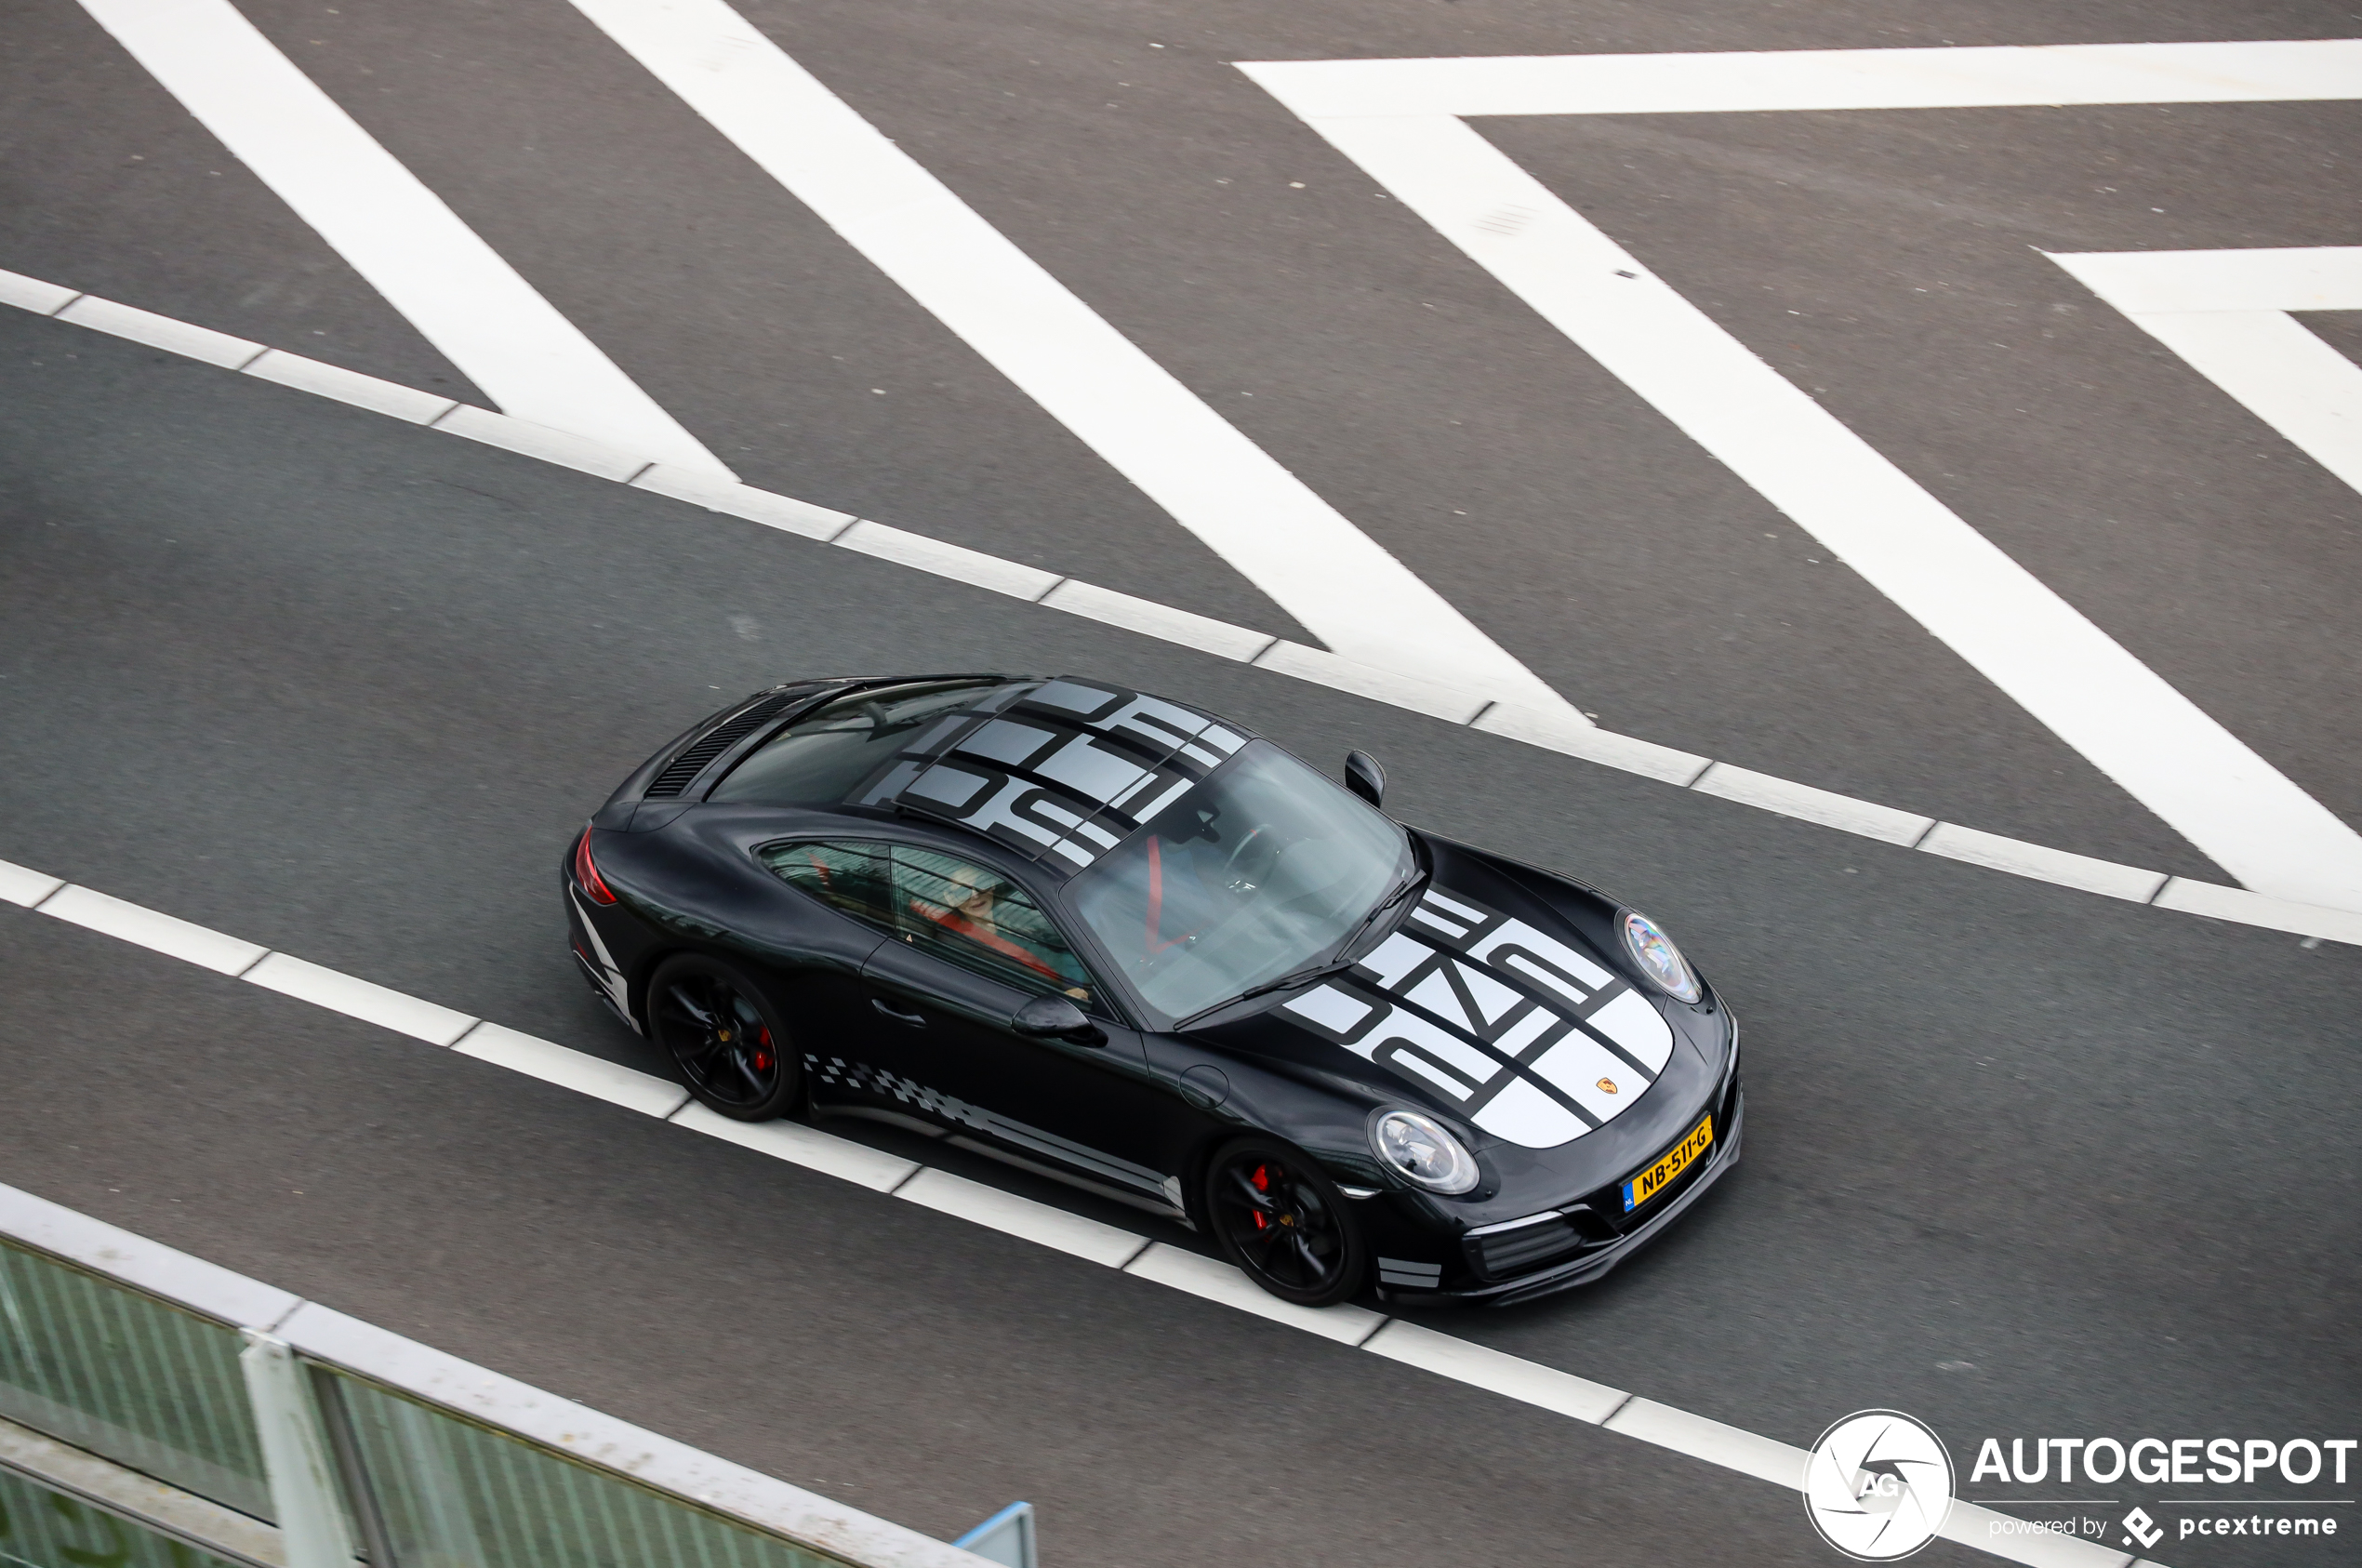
119 1373
456 1494
40 1528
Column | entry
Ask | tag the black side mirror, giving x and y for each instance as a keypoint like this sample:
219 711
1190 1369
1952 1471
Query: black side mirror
1055 1018
1364 777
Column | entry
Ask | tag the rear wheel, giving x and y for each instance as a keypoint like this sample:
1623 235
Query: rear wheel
1285 1223
733 1053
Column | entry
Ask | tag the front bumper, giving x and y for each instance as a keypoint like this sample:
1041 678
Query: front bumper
1588 1264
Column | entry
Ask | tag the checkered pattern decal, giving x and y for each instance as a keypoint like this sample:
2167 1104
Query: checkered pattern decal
1062 771
1527 1038
864 1079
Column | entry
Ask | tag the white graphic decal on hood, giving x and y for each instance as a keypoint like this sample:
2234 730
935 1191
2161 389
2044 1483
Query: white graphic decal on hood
1533 1042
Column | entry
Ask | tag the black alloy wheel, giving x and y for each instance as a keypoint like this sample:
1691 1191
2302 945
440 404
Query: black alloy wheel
1285 1223
732 1052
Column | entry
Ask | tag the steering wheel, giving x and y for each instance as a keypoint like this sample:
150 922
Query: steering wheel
1229 866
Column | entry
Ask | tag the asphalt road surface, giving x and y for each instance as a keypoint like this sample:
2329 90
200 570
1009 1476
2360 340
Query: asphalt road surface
2020 1161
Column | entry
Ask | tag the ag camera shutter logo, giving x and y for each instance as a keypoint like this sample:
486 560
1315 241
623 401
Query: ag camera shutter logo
1879 1485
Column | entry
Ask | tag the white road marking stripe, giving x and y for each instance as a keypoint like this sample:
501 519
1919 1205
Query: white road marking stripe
1218 1281
160 932
1592 743
1452 704
162 332
2043 864
947 560
359 999
1779 1463
583 1073
1410 1344
1652 761
2218 902
1022 1218
399 236
716 493
1496 1371
1841 812
351 386
2072 676
2173 282
2226 314
2280 372
528 439
1162 621
21 884
799 1145
1336 580
31 294
1744 82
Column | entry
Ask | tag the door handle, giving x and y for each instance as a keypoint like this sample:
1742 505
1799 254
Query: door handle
916 1021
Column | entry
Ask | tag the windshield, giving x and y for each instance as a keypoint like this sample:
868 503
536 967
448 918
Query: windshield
1263 869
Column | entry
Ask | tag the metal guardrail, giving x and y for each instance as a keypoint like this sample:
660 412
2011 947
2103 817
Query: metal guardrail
150 1386
326 1441
41 1527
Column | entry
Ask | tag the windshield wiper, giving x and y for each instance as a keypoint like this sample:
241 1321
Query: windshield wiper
1327 966
1394 896
1304 975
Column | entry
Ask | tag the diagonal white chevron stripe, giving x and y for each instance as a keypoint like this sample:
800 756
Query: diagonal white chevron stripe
1400 122
454 288
2226 312
1341 584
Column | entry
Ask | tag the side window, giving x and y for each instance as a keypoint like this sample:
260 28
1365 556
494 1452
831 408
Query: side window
978 919
851 877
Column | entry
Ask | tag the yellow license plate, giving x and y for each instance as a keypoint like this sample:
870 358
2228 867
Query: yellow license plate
1645 1186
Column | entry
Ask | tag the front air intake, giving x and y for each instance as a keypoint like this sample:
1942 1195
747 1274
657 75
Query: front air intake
683 770
1503 1251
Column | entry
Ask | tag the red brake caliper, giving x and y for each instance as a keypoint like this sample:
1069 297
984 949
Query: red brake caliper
1262 1179
763 1057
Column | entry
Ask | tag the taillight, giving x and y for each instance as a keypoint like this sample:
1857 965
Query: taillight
586 873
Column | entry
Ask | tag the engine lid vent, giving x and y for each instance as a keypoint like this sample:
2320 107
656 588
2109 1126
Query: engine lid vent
683 769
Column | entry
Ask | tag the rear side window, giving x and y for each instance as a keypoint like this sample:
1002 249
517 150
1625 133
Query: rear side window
975 917
828 755
851 877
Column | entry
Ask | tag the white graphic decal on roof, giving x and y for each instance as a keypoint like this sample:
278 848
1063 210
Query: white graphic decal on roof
1062 771
1533 1042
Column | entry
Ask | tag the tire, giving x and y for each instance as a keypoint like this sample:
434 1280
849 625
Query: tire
725 1036
1283 1222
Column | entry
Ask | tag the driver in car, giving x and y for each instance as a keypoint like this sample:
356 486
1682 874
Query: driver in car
971 897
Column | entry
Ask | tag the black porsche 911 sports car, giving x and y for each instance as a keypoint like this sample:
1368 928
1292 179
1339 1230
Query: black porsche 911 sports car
1117 940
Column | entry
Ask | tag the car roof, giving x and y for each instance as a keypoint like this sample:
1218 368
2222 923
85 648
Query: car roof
1061 770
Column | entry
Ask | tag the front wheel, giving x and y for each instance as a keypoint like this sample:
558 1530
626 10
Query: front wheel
1285 1223
733 1053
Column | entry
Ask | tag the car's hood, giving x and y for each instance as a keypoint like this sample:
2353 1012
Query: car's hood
1494 1003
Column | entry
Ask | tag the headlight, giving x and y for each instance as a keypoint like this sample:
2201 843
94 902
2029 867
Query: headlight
1658 958
1419 1148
